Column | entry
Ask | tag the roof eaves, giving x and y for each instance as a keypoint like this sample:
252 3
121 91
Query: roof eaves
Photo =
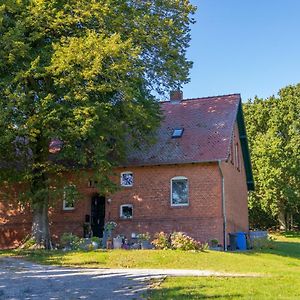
172 163
245 148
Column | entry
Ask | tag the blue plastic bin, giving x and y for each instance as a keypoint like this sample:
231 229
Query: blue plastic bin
241 242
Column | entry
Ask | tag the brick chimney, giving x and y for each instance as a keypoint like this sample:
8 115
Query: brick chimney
176 96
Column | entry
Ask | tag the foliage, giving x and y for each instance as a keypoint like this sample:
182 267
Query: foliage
273 128
161 241
69 240
144 236
177 241
214 242
96 239
263 243
281 261
80 76
181 241
27 243
110 226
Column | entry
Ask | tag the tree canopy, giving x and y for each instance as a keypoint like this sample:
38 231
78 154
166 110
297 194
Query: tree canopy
273 127
83 72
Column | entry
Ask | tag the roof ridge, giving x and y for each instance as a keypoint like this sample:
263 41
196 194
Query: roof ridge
207 97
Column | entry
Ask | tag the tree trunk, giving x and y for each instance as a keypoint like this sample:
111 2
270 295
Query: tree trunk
282 220
40 224
40 205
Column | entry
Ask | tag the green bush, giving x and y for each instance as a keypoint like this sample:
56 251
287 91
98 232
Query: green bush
69 240
263 243
97 240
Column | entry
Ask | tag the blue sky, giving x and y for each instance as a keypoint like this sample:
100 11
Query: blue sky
250 47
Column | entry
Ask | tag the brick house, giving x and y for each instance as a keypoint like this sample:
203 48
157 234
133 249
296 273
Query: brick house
194 179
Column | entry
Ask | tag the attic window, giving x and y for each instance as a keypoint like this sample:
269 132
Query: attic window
177 133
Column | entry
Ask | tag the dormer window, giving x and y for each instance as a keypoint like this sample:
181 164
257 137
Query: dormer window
177 133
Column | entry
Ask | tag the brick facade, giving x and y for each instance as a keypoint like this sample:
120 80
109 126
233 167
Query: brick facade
152 210
236 192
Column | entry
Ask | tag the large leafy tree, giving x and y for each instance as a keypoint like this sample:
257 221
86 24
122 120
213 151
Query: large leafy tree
81 74
273 127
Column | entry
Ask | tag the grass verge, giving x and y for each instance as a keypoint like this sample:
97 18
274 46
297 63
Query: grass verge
281 265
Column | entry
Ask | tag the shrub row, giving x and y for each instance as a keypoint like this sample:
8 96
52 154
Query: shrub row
177 241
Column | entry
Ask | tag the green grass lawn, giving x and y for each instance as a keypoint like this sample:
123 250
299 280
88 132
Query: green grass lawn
280 266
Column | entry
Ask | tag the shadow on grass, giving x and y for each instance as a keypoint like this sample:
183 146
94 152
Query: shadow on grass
181 292
285 249
59 258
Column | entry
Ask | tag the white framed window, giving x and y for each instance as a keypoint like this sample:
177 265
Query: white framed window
126 211
127 179
179 191
70 196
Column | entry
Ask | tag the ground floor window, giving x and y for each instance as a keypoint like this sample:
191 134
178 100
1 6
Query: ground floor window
70 196
179 191
126 211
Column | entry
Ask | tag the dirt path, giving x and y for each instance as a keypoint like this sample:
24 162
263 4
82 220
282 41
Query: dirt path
24 280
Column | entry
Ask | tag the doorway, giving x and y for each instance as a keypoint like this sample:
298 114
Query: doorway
97 215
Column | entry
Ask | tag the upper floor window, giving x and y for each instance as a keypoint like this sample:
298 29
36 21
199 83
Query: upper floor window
179 191
237 156
127 179
70 196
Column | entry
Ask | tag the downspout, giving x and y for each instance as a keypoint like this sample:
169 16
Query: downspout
223 208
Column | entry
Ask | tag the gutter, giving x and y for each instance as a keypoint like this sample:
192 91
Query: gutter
223 208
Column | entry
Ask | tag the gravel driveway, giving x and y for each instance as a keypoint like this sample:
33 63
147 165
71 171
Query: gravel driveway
24 280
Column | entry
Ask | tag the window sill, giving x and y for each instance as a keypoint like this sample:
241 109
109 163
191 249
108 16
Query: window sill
179 205
68 210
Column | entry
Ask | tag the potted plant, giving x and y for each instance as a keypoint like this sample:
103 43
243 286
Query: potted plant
107 235
215 245
118 242
95 241
144 239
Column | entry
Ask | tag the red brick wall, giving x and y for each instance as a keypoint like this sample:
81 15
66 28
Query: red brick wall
15 218
236 193
152 210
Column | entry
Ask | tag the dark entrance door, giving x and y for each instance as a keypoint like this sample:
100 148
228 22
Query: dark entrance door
97 215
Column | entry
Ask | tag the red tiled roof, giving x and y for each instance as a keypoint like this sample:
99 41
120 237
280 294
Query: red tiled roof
208 126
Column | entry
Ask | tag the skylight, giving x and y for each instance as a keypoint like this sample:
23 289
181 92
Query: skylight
177 133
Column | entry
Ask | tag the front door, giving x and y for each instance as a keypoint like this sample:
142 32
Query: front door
98 215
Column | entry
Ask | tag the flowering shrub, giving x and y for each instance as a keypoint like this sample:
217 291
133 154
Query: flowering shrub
161 241
177 241
144 236
181 241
